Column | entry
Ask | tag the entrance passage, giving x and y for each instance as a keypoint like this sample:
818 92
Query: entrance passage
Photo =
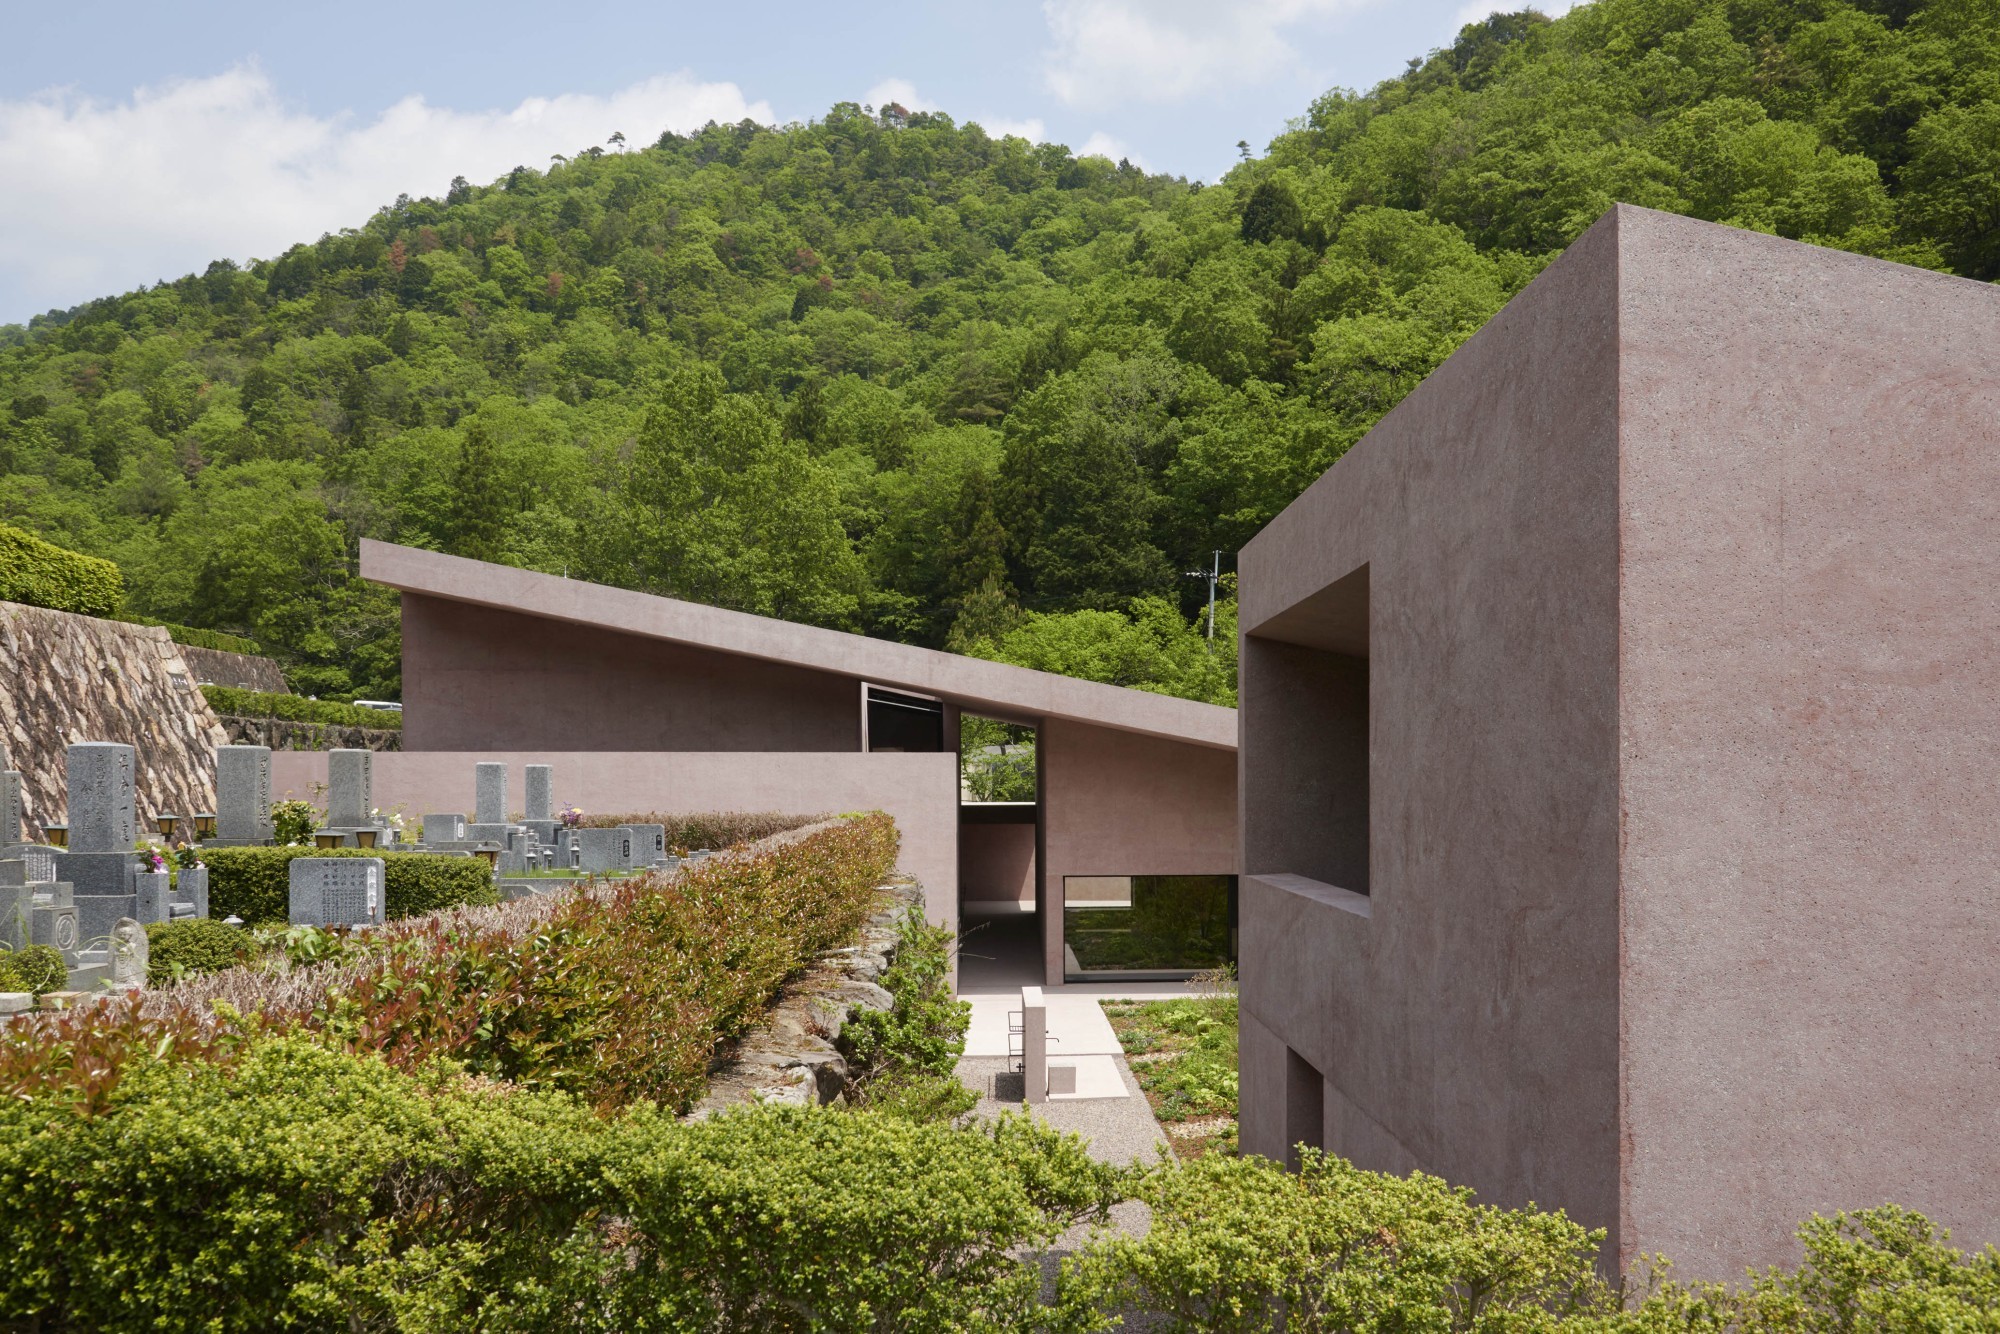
1147 927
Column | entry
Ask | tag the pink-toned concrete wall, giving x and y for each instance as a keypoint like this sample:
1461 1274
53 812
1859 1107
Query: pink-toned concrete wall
1462 1016
919 791
1809 716
1117 803
1683 683
996 863
472 675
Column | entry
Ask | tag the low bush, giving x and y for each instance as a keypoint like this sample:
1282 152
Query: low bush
619 992
295 708
192 947
708 829
42 574
255 883
624 991
1239 1245
904 1059
318 1189
36 968
199 638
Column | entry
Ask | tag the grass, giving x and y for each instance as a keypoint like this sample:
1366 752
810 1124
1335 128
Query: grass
1183 1053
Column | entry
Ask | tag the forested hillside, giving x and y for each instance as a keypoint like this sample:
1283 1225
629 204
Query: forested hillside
887 373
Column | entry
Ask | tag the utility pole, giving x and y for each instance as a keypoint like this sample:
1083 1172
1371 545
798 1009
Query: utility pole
1212 574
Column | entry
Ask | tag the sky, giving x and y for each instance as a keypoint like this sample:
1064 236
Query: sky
140 141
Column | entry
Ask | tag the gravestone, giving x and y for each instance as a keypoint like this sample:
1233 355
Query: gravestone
130 952
10 807
543 830
487 833
349 788
600 850
443 828
242 794
649 843
101 791
337 891
539 785
489 788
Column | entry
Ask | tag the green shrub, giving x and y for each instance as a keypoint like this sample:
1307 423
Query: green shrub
708 829
1869 1272
192 947
36 968
199 638
41 574
1238 1245
310 1188
295 708
255 883
904 1059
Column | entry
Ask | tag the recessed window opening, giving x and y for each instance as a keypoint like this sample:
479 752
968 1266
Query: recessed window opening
1147 927
1305 1107
897 721
996 760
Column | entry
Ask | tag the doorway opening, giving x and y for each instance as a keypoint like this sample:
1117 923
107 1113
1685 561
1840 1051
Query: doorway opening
999 853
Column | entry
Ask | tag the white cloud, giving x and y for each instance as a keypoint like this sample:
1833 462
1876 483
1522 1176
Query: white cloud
1100 144
1482 9
1112 51
106 196
900 91
1031 129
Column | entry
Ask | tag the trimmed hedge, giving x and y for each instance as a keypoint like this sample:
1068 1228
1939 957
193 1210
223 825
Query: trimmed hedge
311 1189
708 829
192 947
36 968
295 708
255 883
196 637
42 574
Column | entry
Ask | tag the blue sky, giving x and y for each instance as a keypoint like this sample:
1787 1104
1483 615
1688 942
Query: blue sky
139 141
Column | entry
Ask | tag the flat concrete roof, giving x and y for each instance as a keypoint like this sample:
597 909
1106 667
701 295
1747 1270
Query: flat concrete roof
973 684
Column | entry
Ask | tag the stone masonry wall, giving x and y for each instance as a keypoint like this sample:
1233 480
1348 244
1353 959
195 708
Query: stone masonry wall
66 678
213 667
285 734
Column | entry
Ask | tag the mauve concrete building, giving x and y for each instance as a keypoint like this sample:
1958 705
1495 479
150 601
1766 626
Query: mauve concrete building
649 703
1619 724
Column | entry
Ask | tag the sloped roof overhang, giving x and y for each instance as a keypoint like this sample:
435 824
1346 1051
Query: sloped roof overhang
972 684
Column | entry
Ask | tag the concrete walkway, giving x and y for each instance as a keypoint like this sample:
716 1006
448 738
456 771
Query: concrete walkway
997 957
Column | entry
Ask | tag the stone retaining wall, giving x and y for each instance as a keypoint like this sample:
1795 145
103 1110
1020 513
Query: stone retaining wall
285 734
66 678
213 667
790 1057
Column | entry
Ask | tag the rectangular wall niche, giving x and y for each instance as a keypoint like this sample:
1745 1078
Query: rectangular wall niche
1304 686
1147 927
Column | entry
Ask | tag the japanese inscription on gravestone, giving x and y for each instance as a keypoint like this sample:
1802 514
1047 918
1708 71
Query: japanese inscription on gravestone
243 793
489 793
348 789
336 891
539 784
100 797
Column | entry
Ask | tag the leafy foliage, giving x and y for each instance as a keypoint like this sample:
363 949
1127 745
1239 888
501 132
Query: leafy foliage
192 947
889 373
212 639
707 829
996 760
1239 1244
1183 1053
259 704
36 968
254 883
41 574
904 1059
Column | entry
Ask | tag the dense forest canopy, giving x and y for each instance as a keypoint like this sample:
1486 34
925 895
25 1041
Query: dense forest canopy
888 373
